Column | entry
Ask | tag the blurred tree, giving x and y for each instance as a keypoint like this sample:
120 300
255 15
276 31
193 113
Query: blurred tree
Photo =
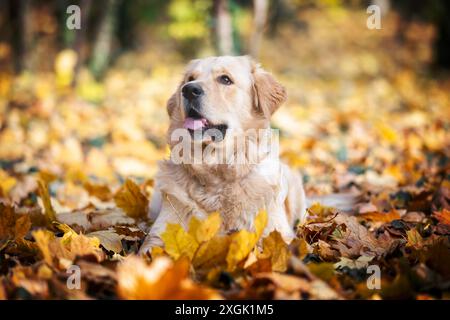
75 39
434 11
21 35
188 24
223 28
260 8
101 52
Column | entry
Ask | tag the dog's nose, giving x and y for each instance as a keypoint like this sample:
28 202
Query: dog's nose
192 91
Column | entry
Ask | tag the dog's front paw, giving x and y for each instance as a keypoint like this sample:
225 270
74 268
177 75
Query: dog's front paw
150 242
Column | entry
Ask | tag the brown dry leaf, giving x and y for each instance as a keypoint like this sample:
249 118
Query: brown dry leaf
162 279
27 278
131 200
274 285
100 191
356 240
129 233
12 225
23 224
326 252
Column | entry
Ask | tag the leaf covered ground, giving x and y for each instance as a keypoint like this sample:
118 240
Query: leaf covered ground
364 115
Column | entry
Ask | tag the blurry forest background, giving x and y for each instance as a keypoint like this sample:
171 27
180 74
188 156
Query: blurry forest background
83 110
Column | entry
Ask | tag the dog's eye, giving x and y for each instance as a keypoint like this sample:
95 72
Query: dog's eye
224 79
191 78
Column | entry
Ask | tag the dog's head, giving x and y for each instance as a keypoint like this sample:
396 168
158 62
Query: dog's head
224 93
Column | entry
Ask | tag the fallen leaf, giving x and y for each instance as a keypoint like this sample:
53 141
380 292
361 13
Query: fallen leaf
443 216
356 240
100 191
162 279
381 216
204 230
275 249
361 262
212 253
131 200
60 252
414 238
12 225
109 239
177 242
243 241
45 197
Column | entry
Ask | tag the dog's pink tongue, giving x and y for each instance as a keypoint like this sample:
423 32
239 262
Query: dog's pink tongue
194 124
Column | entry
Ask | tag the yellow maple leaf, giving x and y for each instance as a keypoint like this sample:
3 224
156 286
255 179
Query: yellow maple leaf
131 200
204 230
275 249
241 245
61 251
212 253
243 242
177 242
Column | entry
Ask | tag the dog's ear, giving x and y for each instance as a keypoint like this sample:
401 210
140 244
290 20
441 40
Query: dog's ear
269 94
172 103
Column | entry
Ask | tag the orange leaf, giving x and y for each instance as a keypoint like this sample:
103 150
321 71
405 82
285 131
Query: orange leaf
443 216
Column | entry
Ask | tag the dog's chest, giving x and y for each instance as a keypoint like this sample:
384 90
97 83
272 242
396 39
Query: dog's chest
237 201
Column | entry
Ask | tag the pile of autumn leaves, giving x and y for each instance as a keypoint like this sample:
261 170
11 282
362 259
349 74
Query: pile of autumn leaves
39 249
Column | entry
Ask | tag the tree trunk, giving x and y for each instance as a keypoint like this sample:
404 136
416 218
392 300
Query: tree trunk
101 52
80 38
21 33
260 10
223 28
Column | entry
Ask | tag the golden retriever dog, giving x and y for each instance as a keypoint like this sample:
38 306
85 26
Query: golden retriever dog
233 97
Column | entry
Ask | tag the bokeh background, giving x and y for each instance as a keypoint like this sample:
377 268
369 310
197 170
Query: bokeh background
367 109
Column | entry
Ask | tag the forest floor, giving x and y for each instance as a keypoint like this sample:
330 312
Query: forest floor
364 115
